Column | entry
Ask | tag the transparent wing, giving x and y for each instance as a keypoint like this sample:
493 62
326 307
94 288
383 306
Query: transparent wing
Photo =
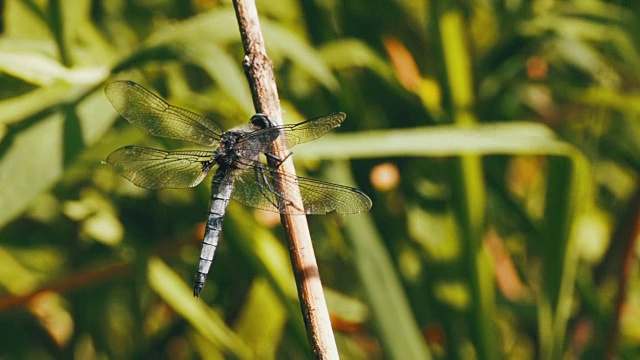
260 140
255 187
154 115
158 169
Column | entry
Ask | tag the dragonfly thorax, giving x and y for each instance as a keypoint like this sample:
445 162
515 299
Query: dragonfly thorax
233 151
236 150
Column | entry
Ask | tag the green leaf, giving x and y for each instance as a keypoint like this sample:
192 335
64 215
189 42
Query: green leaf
523 138
284 42
31 164
345 54
34 157
222 27
262 330
223 69
390 308
173 290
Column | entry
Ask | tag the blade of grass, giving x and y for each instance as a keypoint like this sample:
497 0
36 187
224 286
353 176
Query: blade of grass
261 329
469 197
219 24
521 138
175 292
269 258
57 26
392 314
42 138
563 199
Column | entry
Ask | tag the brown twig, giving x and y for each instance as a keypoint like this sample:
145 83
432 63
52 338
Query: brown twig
621 258
259 71
73 282
90 277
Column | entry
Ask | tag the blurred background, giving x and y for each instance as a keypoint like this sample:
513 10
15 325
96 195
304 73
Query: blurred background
497 139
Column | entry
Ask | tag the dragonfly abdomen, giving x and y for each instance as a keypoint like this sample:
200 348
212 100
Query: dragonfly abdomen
221 188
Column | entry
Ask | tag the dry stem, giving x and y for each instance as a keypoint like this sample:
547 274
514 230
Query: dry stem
259 71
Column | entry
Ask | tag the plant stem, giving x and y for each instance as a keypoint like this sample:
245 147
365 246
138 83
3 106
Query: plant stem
259 72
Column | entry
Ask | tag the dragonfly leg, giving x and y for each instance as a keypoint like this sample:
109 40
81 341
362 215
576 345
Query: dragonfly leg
263 182
276 158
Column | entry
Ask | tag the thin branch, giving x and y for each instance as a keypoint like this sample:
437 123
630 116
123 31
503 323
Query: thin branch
259 71
625 242
90 277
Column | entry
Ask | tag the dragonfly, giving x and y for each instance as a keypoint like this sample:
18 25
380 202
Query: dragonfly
240 173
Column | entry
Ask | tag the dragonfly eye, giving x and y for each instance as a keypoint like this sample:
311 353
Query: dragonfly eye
260 121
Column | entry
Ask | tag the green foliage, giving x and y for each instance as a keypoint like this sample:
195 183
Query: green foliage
498 141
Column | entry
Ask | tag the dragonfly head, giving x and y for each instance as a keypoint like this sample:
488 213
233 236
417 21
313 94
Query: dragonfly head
260 121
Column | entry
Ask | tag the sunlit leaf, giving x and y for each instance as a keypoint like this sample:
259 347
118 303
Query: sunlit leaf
178 295
260 329
34 158
445 140
352 53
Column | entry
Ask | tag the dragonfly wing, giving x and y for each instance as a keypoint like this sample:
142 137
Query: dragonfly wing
256 187
260 140
155 116
321 197
312 129
158 169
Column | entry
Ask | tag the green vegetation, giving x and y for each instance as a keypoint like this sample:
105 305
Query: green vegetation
498 141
